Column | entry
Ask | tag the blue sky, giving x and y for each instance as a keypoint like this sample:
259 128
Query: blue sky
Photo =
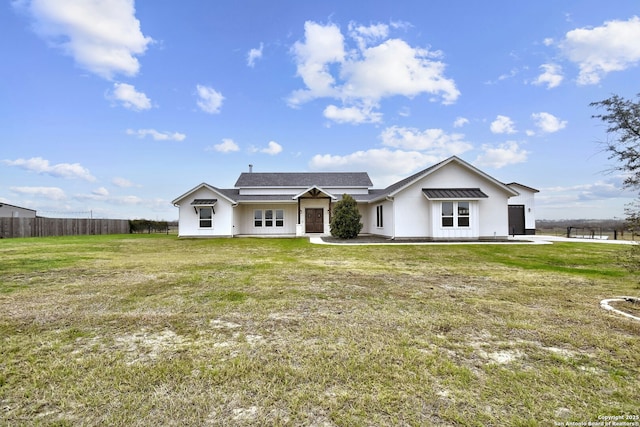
116 108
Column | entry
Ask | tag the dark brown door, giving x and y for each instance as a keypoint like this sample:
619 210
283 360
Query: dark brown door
516 219
314 222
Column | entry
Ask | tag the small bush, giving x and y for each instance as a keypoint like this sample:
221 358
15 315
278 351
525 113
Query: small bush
345 222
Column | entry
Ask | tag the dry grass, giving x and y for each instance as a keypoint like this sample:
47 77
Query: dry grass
152 330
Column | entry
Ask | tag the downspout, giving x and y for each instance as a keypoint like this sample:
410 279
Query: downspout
393 223
233 218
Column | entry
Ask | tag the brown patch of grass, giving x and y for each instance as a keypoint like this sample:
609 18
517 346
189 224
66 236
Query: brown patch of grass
142 330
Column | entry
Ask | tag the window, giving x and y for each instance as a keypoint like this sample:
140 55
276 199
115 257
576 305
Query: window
379 218
455 214
447 214
206 217
463 214
268 218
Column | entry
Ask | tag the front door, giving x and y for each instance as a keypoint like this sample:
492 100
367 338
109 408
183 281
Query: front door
314 222
516 219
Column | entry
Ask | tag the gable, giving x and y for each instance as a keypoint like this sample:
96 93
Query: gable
450 173
197 194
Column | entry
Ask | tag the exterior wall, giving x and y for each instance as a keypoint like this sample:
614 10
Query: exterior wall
421 217
9 211
526 198
314 203
370 220
189 220
440 232
413 213
245 225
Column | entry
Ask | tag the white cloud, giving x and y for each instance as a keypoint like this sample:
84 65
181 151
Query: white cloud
103 37
210 100
353 115
60 170
364 36
505 154
253 55
598 51
51 193
460 121
121 182
548 123
551 76
129 97
607 189
395 68
361 76
435 141
273 148
385 166
101 192
156 135
502 124
323 46
226 146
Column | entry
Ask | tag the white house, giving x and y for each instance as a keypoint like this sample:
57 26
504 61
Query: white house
451 200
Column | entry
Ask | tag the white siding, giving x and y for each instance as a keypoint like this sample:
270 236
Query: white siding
190 221
245 224
526 198
470 232
419 217
370 220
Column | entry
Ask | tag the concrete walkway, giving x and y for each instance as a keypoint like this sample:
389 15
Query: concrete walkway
523 240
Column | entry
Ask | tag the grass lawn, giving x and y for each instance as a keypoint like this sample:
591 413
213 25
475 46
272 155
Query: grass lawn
153 330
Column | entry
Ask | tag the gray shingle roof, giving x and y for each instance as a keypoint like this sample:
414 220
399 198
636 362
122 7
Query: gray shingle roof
304 179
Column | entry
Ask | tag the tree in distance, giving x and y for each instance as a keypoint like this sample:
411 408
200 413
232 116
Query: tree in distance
622 116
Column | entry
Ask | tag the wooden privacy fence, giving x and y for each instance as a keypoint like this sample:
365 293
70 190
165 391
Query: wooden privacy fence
43 227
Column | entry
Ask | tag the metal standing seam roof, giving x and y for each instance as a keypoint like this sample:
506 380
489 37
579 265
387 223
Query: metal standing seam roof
204 202
454 193
304 179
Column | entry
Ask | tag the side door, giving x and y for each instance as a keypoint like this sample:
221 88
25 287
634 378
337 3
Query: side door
516 219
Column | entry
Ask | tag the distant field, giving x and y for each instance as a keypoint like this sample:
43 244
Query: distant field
154 330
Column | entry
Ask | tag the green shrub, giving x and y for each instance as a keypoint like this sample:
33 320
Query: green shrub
345 222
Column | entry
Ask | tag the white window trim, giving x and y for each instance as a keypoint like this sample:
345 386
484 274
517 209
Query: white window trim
380 216
456 215
200 226
263 218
